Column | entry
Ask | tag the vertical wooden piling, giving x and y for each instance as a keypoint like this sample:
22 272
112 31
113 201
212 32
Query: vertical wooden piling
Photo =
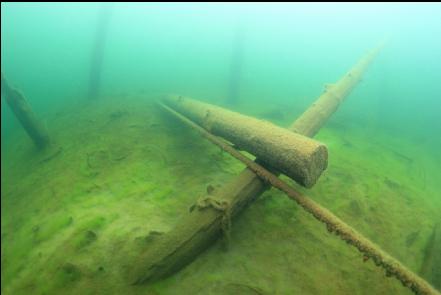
98 50
23 112
236 67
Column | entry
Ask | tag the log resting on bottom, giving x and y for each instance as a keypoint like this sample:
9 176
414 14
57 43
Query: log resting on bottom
200 228
301 158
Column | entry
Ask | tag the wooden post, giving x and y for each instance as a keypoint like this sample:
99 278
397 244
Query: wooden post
98 50
23 112
236 67
297 156
200 228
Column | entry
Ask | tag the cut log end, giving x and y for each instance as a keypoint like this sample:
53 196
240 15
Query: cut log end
317 164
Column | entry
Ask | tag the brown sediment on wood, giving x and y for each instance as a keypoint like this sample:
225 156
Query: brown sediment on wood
334 224
297 156
23 112
195 232
200 228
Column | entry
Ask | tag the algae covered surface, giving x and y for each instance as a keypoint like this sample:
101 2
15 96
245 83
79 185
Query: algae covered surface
127 173
121 172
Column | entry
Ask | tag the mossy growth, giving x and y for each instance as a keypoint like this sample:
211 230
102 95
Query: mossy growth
68 273
50 228
125 200
84 239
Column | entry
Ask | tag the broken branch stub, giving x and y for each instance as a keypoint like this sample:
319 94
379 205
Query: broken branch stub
297 156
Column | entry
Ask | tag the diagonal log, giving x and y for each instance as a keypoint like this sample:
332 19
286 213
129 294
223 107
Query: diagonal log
24 114
201 228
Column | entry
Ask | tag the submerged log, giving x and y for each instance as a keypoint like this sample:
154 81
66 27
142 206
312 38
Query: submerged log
431 266
297 156
334 224
201 228
23 112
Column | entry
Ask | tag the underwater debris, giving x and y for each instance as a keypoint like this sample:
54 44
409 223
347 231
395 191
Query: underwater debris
297 156
222 205
98 49
200 228
335 225
23 112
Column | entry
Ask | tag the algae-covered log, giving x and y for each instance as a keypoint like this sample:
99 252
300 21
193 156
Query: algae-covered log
23 112
200 228
98 49
297 156
334 224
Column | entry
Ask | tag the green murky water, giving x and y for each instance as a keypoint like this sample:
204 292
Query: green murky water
74 219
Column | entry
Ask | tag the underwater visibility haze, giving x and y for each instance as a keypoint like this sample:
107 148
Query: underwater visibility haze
220 148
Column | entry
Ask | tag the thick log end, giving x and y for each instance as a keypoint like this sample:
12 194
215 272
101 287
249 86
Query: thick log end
317 164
